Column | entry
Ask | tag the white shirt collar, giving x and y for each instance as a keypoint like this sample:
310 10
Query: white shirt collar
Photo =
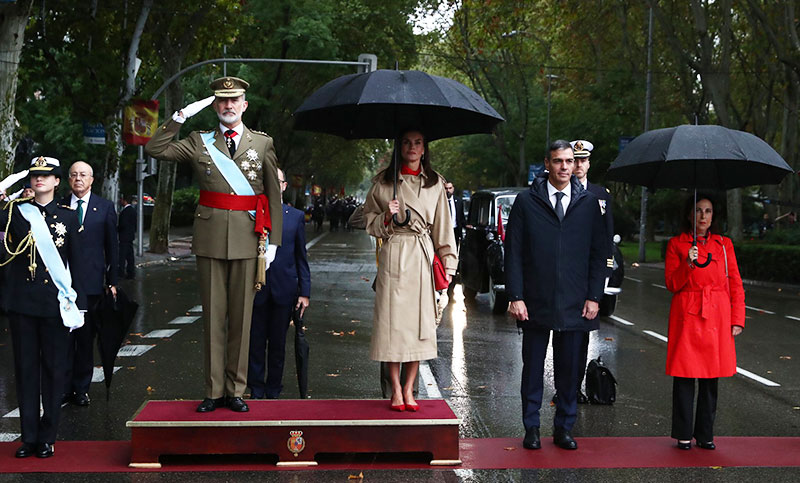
551 194
585 183
239 130
73 203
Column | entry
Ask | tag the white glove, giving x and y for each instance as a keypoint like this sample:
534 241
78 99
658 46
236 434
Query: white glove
271 251
8 182
192 109
15 195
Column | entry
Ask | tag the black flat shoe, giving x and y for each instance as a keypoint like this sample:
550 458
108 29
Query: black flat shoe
564 440
44 450
81 399
237 404
709 445
27 449
532 440
685 445
209 404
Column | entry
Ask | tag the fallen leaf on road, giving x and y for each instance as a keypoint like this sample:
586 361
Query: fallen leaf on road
481 387
354 321
448 388
131 368
509 448
333 332
786 357
365 279
716 467
332 375
609 338
150 390
795 407
359 476
634 264
352 332
152 362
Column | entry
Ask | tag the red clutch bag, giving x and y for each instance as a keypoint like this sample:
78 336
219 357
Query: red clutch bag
439 275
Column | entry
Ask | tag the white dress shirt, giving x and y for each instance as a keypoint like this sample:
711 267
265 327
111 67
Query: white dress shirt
73 204
452 203
239 130
551 193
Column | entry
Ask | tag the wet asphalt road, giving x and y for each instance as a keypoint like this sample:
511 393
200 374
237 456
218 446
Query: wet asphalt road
477 371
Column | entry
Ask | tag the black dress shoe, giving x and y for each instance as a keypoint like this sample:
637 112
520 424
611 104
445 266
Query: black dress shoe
81 399
685 445
709 445
532 440
209 405
237 404
582 399
563 439
27 449
44 450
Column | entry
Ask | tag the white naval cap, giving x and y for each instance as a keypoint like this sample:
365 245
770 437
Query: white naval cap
582 148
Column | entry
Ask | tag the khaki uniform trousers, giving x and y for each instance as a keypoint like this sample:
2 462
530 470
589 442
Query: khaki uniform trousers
227 290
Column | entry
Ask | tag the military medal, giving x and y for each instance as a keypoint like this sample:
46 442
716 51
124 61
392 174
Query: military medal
208 169
252 155
60 229
602 206
59 241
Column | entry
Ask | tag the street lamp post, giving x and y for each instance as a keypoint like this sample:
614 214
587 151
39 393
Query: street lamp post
550 78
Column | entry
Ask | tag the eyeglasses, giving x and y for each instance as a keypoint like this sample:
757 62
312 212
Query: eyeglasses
80 175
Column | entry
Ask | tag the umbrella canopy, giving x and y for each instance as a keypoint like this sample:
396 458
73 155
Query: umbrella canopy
301 350
115 317
700 157
379 104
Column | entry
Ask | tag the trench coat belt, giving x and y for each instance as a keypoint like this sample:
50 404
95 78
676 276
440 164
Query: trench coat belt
705 301
421 239
224 201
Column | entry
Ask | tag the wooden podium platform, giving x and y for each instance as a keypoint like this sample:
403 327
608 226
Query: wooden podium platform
295 430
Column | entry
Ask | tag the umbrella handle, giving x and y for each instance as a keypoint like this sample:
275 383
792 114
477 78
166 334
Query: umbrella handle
702 264
404 222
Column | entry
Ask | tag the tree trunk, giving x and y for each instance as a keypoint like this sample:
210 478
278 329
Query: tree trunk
788 188
13 19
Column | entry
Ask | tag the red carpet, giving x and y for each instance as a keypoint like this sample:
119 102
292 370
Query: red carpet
494 453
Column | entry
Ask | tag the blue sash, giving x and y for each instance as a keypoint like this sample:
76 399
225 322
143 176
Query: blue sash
232 174
70 314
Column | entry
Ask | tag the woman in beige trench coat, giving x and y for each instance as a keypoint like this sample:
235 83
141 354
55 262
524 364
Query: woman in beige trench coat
404 328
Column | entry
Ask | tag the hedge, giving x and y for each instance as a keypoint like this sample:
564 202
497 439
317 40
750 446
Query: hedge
774 263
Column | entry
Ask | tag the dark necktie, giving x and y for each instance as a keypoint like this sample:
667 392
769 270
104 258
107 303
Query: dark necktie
229 135
559 206
80 212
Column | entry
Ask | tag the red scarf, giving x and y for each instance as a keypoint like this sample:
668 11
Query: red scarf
405 170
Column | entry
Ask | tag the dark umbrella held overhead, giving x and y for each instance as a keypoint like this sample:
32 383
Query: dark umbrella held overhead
115 317
698 157
301 350
379 104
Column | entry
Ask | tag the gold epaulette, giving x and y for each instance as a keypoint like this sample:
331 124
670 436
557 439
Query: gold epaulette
259 132
206 131
65 206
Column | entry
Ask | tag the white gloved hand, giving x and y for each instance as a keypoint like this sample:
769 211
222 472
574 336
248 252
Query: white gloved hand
11 179
271 251
192 109
16 195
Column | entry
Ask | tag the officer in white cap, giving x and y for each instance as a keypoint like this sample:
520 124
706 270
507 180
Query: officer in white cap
45 302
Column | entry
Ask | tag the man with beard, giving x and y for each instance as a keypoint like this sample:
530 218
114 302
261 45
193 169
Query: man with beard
236 169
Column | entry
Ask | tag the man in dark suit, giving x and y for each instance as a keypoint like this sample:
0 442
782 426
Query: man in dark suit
456 207
583 150
288 287
554 266
126 230
99 248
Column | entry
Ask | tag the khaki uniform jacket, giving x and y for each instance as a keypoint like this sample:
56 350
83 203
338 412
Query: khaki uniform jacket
404 327
225 234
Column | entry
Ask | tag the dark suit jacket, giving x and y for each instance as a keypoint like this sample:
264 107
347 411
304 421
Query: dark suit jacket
127 224
289 276
460 220
608 218
99 245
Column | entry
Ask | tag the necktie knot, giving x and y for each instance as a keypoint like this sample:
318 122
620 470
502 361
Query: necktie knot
230 134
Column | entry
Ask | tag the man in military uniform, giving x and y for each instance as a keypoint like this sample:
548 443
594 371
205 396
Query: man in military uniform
45 302
583 150
236 170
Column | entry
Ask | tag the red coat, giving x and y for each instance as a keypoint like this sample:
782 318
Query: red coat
704 308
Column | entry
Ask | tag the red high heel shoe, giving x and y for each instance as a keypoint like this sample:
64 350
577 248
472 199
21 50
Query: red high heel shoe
412 407
399 407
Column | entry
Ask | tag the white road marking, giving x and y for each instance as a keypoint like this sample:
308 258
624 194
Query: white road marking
633 279
759 310
187 319
8 437
655 334
315 240
620 320
792 317
659 286
133 350
428 381
756 377
197 309
15 413
160 333
99 376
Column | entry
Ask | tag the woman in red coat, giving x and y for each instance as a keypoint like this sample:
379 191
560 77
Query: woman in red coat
706 313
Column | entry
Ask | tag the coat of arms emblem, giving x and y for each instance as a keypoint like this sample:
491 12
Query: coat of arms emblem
296 443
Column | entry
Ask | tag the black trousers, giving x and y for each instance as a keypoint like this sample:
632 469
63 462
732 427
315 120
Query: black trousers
267 348
126 258
683 403
566 352
584 355
80 354
40 362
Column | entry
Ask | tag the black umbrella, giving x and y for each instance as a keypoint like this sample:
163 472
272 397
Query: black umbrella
301 350
115 317
705 157
381 103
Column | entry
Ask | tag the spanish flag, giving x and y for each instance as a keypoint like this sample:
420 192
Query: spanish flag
140 122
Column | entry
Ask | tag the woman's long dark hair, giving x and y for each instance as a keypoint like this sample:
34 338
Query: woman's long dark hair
431 177
687 221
